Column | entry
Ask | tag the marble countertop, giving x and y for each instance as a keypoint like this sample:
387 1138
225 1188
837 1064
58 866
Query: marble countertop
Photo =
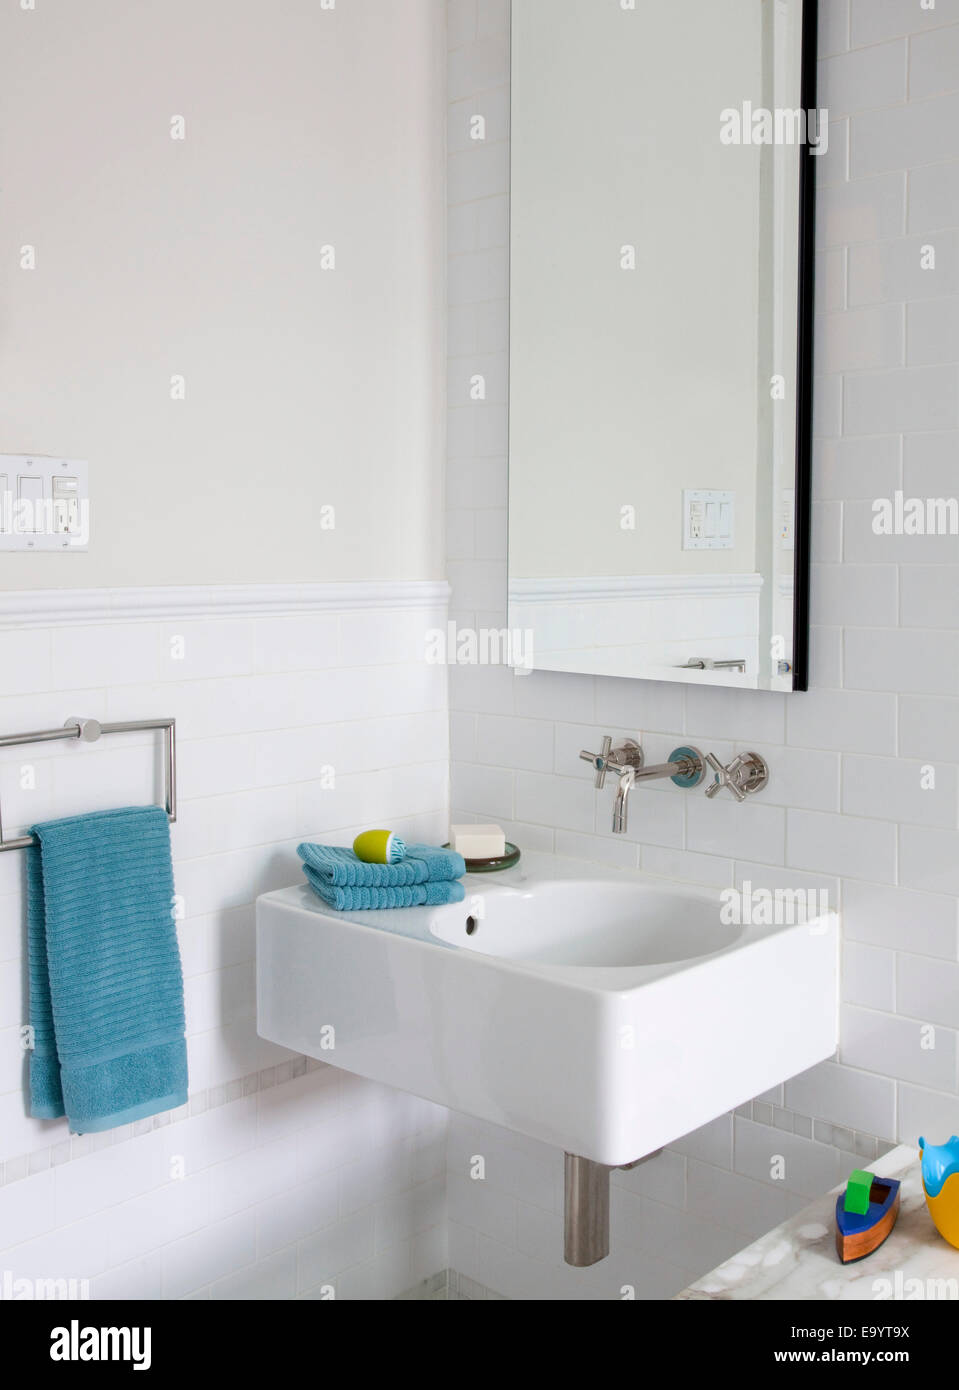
798 1260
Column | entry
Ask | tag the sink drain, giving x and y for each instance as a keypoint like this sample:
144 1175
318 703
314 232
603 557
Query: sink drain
471 925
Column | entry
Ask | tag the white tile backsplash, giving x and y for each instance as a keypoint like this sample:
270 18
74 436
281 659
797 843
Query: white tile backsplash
223 1204
934 197
924 1113
861 210
784 1161
855 595
863 78
897 402
844 1096
904 135
900 920
896 789
910 1049
872 21
929 596
844 720
868 976
927 989
929 859
899 270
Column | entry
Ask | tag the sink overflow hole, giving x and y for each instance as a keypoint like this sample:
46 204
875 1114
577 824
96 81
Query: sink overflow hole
471 925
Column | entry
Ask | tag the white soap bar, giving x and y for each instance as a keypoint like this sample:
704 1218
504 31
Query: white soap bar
478 841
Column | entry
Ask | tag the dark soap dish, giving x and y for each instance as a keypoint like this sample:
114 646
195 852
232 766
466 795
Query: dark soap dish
494 865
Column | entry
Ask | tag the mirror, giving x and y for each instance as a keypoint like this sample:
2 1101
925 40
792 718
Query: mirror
660 337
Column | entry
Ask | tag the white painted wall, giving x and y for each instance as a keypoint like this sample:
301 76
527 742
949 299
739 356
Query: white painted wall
305 126
844 809
629 385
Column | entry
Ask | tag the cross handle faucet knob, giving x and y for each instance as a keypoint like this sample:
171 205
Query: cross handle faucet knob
627 754
600 761
747 774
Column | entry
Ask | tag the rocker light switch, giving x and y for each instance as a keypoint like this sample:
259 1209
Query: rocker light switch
29 513
44 503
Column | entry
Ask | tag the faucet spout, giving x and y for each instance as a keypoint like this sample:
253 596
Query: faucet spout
685 768
627 779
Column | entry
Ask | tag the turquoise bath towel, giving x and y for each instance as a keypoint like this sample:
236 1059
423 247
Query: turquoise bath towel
427 876
106 988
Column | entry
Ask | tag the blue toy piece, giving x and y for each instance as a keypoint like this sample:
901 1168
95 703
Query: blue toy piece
939 1162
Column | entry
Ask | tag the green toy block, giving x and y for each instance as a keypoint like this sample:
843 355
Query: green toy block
857 1192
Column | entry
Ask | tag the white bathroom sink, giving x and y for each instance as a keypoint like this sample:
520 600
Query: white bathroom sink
582 921
600 1010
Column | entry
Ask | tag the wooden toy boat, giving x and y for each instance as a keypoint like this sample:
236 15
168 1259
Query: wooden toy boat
858 1234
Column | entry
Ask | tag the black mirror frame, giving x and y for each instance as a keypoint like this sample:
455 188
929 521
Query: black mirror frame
804 383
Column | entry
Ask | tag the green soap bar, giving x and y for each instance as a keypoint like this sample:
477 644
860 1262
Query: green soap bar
857 1192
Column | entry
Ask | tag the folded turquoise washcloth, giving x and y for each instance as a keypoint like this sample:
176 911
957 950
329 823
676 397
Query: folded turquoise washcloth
361 899
106 988
427 876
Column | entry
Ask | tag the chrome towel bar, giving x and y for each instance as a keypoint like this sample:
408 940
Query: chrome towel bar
88 731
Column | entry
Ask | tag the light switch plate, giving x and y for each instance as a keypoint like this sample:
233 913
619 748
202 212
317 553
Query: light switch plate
44 503
709 520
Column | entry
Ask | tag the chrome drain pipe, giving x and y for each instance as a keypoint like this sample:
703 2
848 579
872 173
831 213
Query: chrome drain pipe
586 1235
586 1209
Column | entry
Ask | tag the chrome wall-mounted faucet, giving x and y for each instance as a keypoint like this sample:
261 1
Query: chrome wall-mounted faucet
685 767
747 774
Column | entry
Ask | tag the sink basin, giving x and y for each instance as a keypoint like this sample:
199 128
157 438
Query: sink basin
583 921
603 1011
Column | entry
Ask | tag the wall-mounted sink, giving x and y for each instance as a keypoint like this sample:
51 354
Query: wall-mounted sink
599 1010
583 921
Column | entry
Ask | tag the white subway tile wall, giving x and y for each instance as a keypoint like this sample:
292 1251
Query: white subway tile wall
275 1181
851 806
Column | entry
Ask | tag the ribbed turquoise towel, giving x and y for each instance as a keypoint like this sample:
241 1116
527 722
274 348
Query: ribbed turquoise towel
106 988
426 876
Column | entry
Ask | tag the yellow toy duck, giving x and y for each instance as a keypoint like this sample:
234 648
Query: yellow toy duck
940 1183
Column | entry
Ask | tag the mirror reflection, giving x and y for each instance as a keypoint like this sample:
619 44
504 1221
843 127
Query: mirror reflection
659 354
